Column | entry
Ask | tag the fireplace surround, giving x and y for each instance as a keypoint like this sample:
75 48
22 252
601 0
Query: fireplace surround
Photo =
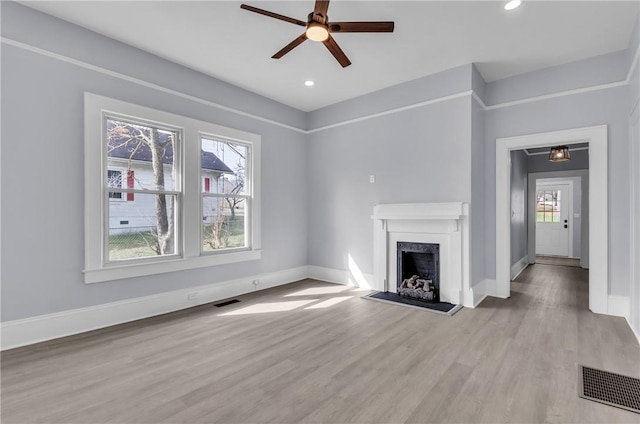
442 224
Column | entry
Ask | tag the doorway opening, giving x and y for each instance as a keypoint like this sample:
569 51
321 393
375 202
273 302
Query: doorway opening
576 184
597 255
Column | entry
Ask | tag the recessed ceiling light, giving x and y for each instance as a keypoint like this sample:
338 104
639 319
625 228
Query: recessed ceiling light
309 83
512 4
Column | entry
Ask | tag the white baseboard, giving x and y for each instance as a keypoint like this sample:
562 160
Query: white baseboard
619 306
636 332
352 278
480 291
490 288
60 324
519 266
41 328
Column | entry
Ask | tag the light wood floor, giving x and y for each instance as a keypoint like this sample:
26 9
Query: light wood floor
555 260
324 355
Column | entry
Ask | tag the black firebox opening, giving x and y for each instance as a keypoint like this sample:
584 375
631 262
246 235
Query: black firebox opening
419 271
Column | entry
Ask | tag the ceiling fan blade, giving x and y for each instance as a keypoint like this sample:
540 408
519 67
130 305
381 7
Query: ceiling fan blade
384 26
336 51
292 45
273 15
320 11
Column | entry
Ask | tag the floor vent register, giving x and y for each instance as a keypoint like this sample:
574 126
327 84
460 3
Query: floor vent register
609 388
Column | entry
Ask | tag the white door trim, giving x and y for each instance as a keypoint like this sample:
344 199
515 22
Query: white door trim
634 157
598 204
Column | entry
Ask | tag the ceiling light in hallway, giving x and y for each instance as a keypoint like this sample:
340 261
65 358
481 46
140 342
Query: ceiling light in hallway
559 154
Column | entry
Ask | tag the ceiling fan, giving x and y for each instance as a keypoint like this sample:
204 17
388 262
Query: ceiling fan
318 28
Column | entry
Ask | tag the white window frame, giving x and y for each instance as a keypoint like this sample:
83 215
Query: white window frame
96 108
247 195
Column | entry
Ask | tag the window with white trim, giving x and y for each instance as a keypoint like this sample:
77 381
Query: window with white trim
165 192
225 210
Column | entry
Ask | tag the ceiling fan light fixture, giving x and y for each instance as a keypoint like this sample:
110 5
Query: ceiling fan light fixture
559 154
317 32
513 4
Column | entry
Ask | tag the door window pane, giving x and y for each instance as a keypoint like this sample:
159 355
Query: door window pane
548 205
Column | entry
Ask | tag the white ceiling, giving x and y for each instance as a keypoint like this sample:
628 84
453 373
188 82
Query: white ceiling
222 40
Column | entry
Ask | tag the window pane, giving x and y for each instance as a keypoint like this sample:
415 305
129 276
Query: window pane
548 206
145 153
540 215
223 223
225 164
142 228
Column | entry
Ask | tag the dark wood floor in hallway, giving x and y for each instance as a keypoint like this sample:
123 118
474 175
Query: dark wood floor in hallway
315 352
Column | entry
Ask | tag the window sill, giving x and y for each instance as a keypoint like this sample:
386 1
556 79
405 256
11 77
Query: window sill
138 270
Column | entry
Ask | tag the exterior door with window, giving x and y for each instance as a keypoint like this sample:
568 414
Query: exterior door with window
552 220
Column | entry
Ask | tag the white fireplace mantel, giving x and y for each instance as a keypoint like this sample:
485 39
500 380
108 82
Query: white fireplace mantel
446 224
420 211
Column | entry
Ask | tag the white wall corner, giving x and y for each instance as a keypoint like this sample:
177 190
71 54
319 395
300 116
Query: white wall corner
468 298
478 293
619 306
635 331
519 266
490 288
41 328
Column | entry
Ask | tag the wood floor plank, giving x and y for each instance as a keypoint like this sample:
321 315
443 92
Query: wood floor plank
284 356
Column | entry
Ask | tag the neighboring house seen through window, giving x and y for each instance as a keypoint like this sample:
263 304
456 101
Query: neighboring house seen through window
143 214
149 154
114 180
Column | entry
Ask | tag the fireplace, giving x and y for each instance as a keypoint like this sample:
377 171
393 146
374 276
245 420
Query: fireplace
418 267
429 228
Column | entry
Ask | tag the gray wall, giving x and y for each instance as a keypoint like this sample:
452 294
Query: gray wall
605 106
418 155
43 167
452 81
518 205
604 69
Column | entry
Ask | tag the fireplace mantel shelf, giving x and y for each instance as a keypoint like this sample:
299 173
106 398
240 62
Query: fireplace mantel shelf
419 211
